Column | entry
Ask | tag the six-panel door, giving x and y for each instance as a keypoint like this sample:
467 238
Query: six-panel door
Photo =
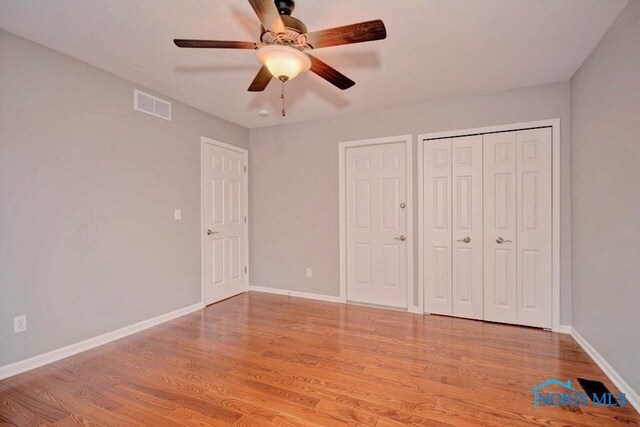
377 224
224 223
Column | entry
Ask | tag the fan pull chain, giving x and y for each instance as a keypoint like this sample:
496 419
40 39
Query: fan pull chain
284 113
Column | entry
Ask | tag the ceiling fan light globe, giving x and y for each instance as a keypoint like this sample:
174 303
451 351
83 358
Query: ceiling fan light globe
283 61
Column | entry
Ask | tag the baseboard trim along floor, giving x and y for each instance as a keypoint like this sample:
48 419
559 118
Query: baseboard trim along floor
69 350
307 295
632 396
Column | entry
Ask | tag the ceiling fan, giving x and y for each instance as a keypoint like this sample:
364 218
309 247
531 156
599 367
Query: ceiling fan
284 40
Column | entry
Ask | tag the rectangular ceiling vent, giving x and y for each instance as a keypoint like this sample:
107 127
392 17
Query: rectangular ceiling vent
151 105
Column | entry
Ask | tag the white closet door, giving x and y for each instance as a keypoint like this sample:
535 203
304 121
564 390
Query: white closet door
377 224
437 226
500 228
467 297
534 227
224 212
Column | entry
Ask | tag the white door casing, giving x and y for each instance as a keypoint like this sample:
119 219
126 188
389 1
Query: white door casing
224 229
534 221
500 201
376 221
467 225
437 226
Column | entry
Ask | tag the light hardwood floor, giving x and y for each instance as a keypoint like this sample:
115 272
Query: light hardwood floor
260 360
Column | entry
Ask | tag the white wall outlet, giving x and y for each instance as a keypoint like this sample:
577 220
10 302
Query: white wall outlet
177 214
19 324
309 272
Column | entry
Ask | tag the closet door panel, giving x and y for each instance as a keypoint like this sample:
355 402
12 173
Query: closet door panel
466 175
500 226
534 219
437 226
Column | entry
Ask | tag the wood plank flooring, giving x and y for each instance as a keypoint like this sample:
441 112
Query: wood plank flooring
267 360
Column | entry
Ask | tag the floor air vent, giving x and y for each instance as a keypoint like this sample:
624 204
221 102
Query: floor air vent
598 392
151 105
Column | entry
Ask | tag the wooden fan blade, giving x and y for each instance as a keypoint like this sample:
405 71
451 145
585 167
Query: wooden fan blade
268 15
214 44
349 34
330 74
261 80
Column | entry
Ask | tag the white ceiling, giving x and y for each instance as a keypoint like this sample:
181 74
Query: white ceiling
434 48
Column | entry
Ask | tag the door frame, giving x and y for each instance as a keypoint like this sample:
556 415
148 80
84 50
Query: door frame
245 153
342 155
555 202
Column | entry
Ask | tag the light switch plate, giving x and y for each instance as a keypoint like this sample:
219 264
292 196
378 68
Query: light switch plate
309 272
177 214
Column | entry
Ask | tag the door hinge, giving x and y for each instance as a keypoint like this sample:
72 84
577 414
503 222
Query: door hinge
245 269
245 168
245 219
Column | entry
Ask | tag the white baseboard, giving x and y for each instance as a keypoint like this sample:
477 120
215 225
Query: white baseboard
612 374
320 297
307 295
564 329
64 352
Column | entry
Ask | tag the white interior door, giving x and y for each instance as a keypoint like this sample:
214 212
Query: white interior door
534 219
437 226
377 224
500 200
518 221
467 225
224 216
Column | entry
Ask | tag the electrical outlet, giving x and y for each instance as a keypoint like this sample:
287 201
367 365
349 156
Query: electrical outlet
177 214
19 324
309 272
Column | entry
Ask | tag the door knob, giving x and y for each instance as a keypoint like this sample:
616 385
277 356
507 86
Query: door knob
500 240
466 240
402 238
210 233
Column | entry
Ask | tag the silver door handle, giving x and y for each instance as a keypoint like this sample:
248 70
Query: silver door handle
500 240
210 233
402 238
466 240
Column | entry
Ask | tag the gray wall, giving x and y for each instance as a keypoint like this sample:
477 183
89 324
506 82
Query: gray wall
88 243
605 121
294 180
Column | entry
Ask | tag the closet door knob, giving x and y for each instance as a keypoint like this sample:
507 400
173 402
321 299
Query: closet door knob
466 240
401 238
500 241
210 233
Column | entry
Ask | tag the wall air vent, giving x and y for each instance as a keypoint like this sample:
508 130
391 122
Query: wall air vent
151 105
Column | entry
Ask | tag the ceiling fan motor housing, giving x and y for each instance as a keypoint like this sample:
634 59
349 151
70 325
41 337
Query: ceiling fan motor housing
294 29
285 7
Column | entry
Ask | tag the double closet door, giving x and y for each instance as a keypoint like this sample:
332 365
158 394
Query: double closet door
487 227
